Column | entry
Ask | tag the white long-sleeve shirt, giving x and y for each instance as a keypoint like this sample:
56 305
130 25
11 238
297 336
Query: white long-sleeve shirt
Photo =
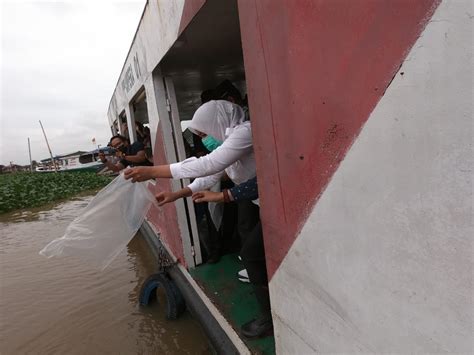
234 157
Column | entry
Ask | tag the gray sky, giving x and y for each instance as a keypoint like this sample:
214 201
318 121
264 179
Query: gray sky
60 62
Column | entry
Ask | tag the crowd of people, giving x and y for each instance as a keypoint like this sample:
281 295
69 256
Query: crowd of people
222 155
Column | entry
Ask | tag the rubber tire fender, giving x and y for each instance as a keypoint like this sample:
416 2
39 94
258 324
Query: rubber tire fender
175 304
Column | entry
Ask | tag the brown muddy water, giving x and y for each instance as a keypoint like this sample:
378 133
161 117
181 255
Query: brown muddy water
63 306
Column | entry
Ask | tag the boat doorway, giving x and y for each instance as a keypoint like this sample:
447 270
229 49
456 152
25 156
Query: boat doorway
206 58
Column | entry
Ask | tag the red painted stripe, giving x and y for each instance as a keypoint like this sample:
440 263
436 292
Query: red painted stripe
165 219
191 8
315 71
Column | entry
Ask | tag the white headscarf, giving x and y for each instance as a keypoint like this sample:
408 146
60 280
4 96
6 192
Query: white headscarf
214 118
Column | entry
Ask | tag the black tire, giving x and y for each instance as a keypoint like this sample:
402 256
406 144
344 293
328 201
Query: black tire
175 304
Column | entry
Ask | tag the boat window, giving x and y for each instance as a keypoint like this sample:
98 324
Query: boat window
123 130
86 158
142 122
115 128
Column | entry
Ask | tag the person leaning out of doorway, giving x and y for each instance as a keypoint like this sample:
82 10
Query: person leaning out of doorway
225 122
129 154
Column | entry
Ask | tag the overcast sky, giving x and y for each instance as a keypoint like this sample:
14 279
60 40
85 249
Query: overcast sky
60 62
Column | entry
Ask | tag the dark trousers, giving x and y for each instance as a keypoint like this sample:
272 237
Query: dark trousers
253 258
208 235
248 215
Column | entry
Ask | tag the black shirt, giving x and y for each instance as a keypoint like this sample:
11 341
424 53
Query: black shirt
133 149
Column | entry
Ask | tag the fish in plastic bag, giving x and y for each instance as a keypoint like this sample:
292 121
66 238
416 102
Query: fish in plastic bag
106 225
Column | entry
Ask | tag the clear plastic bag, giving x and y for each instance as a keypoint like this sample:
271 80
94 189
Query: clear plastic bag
106 225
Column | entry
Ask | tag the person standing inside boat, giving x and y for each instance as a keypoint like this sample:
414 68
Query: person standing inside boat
129 154
225 122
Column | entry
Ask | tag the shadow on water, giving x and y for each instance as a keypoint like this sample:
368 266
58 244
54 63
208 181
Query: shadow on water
63 306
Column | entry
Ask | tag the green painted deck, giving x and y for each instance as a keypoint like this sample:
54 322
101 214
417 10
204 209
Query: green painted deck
233 298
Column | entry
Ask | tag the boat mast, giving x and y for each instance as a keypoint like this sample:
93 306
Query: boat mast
51 154
29 151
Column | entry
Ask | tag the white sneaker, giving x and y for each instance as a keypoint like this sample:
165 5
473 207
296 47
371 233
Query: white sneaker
243 276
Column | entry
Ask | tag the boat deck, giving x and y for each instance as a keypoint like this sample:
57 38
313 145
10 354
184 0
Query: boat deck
234 299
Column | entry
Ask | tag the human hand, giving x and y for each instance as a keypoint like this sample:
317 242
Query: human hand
102 157
139 173
165 197
208 196
119 154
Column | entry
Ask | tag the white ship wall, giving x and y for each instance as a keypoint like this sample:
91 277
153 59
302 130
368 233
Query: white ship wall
157 32
384 262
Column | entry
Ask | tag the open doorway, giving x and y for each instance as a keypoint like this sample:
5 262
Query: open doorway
206 62
207 59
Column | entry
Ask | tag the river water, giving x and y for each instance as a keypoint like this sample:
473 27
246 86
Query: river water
64 306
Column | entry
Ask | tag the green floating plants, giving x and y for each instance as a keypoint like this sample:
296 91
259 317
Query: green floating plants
24 190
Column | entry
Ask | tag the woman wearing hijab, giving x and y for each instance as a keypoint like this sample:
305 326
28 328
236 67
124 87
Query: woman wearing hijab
225 122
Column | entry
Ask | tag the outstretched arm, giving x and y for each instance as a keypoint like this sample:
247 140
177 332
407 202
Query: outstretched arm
237 145
111 166
208 196
137 158
165 197
143 173
245 191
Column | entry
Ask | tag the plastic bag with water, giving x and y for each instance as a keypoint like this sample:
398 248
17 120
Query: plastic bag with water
106 225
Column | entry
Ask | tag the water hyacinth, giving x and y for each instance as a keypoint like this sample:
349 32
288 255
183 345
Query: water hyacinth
24 190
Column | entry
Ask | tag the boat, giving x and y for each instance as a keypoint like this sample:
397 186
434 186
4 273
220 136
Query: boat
361 116
76 161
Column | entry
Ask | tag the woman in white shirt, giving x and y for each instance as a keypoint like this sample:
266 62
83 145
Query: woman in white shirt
225 122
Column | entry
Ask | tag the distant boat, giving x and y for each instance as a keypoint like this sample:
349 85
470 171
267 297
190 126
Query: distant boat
77 161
